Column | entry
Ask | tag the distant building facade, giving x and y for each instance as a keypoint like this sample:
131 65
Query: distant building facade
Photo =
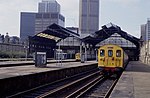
73 29
145 31
1 38
10 46
43 20
148 29
51 6
27 25
88 17
9 39
14 40
33 23
48 13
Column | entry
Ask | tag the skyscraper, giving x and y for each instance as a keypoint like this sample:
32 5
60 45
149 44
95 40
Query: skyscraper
145 30
27 25
48 6
148 29
43 20
33 23
48 13
88 17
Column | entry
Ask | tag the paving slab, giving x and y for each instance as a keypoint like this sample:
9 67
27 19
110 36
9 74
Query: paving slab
30 62
134 82
7 72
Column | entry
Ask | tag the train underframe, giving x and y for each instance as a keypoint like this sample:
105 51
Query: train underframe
111 70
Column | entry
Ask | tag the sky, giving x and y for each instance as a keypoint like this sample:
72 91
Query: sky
127 14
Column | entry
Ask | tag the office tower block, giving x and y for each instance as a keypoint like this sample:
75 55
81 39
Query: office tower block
88 17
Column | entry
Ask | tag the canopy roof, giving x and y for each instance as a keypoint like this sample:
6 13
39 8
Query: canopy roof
56 32
47 39
106 32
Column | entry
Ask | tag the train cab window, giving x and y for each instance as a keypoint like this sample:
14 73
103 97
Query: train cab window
102 53
118 53
110 53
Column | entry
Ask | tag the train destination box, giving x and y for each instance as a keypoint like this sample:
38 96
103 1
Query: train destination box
40 59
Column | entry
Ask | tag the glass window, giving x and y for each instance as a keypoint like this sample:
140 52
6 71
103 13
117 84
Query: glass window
61 17
102 53
46 15
54 15
118 53
110 53
39 15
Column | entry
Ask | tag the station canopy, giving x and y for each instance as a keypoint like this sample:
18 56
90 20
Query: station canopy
56 33
106 32
47 39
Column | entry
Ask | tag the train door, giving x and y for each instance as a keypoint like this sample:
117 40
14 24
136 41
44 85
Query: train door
110 58
102 57
118 58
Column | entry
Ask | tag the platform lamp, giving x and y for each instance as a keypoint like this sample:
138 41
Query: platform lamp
96 51
26 51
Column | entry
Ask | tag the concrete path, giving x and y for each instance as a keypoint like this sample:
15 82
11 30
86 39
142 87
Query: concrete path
134 82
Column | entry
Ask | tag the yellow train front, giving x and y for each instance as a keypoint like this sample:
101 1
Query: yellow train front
112 58
77 57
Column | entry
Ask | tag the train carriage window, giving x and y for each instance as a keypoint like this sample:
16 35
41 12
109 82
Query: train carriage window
110 53
102 53
118 53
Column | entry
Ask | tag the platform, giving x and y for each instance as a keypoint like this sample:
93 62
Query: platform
134 82
20 78
24 63
7 72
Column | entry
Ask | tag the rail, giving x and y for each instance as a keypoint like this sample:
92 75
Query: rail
102 89
52 88
86 85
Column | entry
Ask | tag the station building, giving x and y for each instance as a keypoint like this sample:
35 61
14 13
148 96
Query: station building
112 34
55 38
71 43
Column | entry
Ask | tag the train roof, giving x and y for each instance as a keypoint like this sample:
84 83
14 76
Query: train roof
110 45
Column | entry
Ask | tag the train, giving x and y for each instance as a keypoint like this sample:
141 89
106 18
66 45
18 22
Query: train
112 58
77 57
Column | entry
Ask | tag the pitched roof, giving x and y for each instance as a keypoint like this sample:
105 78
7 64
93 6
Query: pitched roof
106 32
56 32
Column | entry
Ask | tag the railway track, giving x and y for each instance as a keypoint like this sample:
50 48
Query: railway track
102 89
97 88
90 84
53 89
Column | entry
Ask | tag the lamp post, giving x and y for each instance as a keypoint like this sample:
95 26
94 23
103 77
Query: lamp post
96 54
26 52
